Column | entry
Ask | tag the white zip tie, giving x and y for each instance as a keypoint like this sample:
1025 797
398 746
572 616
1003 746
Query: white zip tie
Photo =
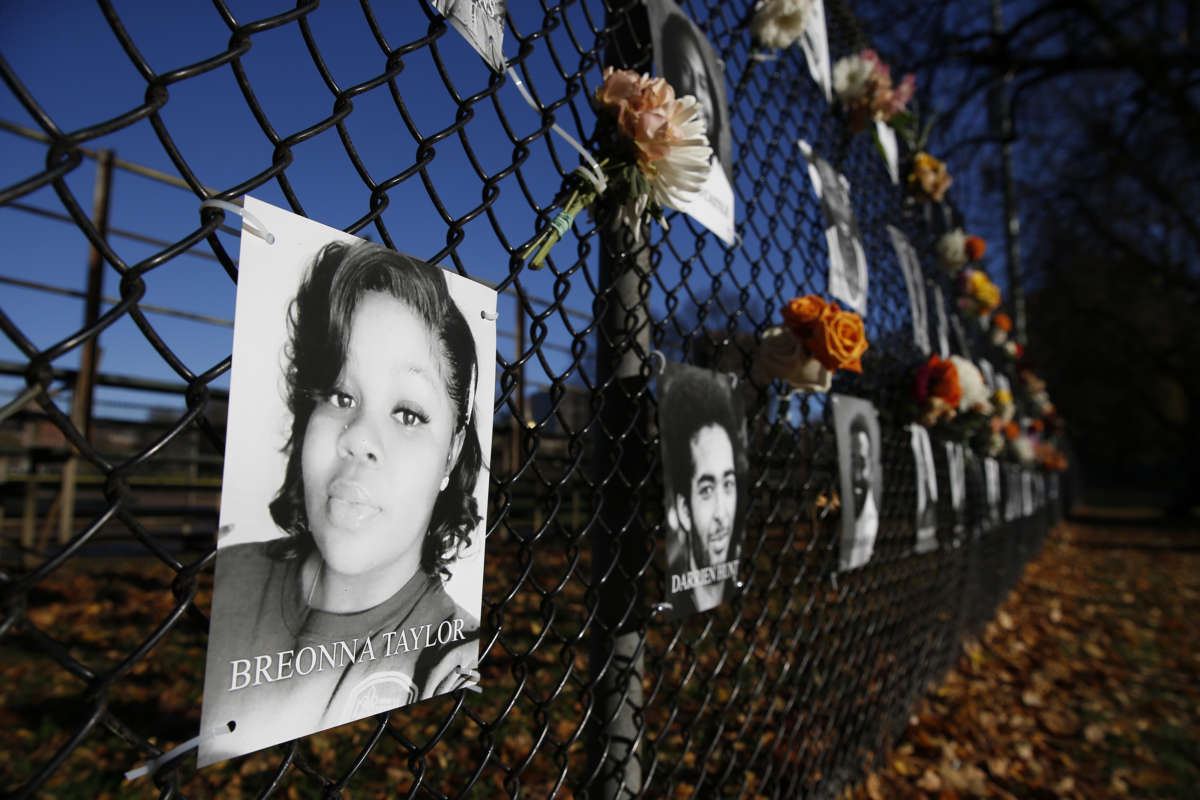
250 223
596 173
150 767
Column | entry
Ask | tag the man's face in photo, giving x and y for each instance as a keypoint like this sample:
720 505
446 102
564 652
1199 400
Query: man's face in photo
710 505
860 467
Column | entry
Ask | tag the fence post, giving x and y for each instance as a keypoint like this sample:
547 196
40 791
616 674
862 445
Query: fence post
619 539
81 400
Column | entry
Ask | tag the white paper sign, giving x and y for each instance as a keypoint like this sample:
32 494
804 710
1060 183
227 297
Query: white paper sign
847 259
860 468
350 559
481 23
685 57
815 46
914 282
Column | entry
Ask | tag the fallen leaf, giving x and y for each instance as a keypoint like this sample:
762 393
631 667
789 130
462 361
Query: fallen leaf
929 781
1032 699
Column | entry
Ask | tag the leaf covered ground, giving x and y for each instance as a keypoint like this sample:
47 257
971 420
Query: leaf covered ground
1085 685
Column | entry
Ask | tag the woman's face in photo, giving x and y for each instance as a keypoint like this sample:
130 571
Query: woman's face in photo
693 80
378 446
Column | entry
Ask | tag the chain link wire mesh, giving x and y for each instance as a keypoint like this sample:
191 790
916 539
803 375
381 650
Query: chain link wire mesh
393 129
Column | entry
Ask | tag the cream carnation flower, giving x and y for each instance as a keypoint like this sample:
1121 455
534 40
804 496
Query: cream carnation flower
778 23
1023 448
677 175
852 77
781 355
952 251
975 393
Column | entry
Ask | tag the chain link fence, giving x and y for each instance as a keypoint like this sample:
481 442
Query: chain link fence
379 120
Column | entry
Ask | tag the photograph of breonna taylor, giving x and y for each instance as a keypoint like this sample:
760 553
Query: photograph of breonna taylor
860 470
702 427
350 555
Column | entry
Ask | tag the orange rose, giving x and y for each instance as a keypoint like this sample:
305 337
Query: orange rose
1002 321
1037 426
839 340
943 381
1011 430
976 247
802 313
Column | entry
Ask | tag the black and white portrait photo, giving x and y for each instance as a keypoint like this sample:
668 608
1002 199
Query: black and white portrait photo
942 321
815 46
1012 492
481 23
702 427
685 57
989 373
860 471
349 560
914 282
847 260
991 475
925 520
1027 493
957 472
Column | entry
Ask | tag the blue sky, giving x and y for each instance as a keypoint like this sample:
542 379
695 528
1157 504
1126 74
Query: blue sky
74 66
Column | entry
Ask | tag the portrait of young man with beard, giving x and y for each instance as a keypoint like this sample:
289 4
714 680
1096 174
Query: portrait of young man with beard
856 424
702 429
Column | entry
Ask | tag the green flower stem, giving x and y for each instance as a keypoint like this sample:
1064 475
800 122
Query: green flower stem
577 201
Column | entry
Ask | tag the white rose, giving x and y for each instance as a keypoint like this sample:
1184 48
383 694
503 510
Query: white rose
850 77
781 355
778 23
1023 449
975 394
952 251
995 444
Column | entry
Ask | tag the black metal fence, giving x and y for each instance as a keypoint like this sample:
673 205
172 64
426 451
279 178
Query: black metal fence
379 120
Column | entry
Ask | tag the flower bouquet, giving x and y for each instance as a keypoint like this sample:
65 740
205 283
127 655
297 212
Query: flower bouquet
1001 327
776 24
863 87
979 295
956 249
817 339
654 153
972 423
936 392
929 179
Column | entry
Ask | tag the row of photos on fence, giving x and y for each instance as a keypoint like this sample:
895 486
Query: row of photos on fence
350 554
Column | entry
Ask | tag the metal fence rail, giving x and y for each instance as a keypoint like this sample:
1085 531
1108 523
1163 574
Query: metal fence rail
391 128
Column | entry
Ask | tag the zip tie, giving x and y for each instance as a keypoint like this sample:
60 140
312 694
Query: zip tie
250 223
757 55
596 173
473 674
657 355
150 767
490 316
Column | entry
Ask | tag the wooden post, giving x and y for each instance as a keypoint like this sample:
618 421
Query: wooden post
81 400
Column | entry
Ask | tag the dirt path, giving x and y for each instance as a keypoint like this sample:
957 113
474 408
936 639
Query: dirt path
1086 685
